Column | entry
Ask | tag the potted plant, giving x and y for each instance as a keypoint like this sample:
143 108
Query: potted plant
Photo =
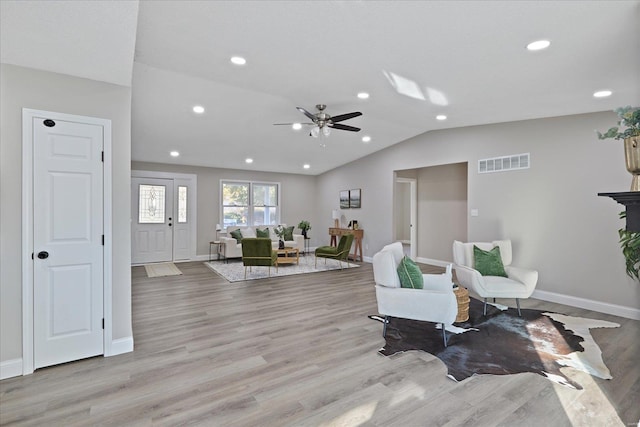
628 129
304 226
279 230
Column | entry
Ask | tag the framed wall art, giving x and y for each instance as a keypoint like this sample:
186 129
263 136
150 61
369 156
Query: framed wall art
344 199
354 198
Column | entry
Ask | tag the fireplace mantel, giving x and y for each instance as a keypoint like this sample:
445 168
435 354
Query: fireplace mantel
631 201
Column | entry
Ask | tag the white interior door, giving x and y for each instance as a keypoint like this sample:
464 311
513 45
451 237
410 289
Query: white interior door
151 220
68 233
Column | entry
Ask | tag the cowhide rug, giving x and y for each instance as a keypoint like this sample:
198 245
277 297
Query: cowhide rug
503 343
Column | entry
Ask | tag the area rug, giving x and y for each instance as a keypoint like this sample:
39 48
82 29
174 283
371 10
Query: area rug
162 269
503 343
233 271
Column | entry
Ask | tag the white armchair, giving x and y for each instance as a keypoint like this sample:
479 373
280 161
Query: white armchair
519 283
436 302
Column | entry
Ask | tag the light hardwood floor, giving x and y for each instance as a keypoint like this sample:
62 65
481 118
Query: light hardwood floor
300 351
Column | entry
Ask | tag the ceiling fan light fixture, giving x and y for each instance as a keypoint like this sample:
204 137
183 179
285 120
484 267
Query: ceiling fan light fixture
326 130
315 131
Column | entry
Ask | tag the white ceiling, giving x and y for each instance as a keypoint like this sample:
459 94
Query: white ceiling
469 55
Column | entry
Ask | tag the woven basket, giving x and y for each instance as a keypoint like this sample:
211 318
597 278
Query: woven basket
462 295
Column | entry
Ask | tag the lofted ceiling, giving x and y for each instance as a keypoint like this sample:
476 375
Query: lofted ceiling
416 59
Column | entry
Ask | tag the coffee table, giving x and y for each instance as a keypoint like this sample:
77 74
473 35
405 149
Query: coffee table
289 256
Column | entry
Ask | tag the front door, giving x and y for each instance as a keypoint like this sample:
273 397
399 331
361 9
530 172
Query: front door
68 238
152 220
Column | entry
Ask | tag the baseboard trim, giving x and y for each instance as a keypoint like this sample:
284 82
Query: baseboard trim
120 346
601 307
10 368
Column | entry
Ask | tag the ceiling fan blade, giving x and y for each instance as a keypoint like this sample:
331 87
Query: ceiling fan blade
289 124
344 127
342 117
306 113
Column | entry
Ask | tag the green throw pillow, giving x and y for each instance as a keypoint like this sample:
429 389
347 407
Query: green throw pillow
488 263
410 274
288 233
236 234
262 233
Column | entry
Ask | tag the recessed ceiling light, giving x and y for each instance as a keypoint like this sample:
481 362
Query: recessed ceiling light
238 60
363 95
538 45
296 126
602 93
306 166
174 154
366 139
441 117
198 109
248 160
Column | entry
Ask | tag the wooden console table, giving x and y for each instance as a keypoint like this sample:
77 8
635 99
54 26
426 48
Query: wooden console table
357 237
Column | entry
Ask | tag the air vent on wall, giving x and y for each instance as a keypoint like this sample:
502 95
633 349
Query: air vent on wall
505 163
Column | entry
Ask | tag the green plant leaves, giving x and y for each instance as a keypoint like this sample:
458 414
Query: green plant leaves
630 244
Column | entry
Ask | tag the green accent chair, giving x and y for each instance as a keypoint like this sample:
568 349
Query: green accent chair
257 251
339 253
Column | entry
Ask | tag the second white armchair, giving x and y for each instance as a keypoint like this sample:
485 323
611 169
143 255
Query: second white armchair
518 283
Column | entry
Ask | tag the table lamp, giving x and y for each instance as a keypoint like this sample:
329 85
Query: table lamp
336 216
218 229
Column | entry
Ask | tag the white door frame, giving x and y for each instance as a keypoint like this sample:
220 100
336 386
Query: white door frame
413 215
27 229
192 203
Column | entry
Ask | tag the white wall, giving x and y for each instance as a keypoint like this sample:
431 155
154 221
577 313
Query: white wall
27 88
551 211
442 210
297 198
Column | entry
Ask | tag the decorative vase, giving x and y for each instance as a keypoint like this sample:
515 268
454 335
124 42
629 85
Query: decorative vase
632 158
280 244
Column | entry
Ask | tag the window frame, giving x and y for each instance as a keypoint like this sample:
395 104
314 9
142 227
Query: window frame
250 206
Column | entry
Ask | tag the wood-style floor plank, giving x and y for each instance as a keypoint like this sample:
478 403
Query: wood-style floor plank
300 351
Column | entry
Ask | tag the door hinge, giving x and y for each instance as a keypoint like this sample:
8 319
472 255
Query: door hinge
103 240
103 323
103 156
32 255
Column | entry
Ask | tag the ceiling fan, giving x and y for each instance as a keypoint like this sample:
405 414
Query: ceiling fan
323 123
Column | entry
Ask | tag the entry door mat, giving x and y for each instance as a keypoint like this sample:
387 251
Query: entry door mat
502 343
233 271
162 269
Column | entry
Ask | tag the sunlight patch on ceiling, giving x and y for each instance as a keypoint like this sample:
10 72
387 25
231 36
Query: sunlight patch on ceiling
436 97
404 86
407 87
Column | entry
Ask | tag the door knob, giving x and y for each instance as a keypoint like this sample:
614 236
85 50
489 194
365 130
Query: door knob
43 255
